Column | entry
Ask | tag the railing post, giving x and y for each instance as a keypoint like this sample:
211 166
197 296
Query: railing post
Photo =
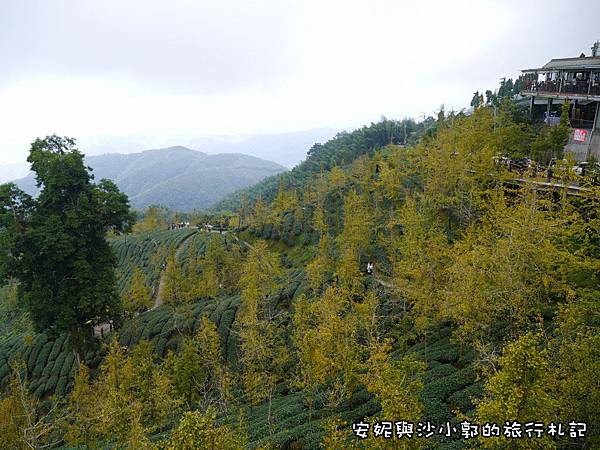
589 150
531 104
560 82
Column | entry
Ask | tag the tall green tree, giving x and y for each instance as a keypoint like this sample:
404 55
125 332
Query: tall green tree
198 371
153 220
55 245
130 399
518 390
396 386
176 291
139 296
23 423
200 430
262 341
330 337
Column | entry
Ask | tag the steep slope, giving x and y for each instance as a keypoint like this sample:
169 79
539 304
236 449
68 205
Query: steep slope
344 148
176 177
451 327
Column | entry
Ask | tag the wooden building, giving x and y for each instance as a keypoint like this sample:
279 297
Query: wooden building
576 80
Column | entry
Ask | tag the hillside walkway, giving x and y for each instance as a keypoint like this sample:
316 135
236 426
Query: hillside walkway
235 238
571 189
104 328
377 278
158 300
383 283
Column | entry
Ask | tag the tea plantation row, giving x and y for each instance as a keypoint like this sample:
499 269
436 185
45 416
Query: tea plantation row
148 251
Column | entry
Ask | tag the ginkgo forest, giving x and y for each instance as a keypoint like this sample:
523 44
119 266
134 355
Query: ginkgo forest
403 287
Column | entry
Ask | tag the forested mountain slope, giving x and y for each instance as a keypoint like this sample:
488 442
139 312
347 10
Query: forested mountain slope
176 177
342 149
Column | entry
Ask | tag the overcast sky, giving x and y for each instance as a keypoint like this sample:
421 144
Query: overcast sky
152 72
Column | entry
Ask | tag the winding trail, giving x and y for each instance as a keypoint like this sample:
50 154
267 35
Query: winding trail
384 283
237 239
158 299
377 279
104 328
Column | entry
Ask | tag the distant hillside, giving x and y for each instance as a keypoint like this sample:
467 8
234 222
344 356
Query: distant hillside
344 148
176 177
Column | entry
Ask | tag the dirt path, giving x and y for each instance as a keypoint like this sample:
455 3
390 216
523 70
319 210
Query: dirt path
158 300
104 329
383 283
377 278
237 239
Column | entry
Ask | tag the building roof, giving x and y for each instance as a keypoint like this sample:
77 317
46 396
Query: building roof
584 63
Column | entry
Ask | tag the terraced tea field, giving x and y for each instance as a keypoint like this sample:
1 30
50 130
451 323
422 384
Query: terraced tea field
50 362
449 380
148 251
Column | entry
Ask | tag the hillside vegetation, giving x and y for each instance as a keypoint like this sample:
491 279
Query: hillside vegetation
482 308
175 177
342 149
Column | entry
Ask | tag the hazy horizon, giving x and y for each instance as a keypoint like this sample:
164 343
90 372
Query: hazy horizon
298 143
135 75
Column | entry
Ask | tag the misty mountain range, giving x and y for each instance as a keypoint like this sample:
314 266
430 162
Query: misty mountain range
185 179
176 177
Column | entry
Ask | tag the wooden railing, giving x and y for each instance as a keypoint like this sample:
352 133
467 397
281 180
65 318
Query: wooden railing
564 87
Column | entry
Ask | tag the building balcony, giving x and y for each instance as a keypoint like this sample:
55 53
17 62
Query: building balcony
586 89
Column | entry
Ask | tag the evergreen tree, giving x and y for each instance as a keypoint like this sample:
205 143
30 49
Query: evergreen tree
83 410
57 247
260 214
518 391
176 286
131 399
198 371
139 296
262 344
198 430
397 386
330 339
23 426
353 242
153 220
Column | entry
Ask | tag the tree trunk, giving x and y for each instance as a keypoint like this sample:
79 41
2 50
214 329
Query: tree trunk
77 358
269 414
